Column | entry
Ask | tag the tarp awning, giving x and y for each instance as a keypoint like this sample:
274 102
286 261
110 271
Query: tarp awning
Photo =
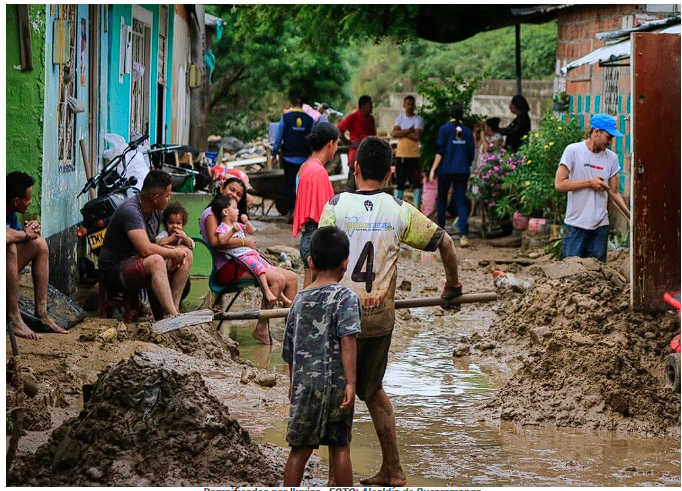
613 53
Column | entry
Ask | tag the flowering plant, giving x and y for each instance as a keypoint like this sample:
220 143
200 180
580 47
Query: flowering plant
533 183
490 176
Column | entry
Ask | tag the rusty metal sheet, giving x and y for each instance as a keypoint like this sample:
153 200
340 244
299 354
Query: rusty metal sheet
655 169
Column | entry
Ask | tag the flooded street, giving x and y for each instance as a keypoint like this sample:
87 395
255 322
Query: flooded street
436 396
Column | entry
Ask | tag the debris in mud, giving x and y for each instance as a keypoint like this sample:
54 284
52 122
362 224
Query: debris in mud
147 425
592 361
200 340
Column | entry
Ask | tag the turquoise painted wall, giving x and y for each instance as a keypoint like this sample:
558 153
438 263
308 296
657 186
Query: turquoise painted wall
584 107
63 181
25 100
118 87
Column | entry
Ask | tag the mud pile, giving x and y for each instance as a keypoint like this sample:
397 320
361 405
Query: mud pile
146 425
592 362
202 341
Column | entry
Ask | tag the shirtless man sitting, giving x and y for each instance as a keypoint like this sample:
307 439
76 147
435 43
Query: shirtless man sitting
25 245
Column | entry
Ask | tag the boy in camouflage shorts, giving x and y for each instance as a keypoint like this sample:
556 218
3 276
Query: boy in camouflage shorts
320 348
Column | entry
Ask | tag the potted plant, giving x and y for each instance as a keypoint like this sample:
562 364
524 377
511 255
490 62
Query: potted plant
532 183
561 102
490 176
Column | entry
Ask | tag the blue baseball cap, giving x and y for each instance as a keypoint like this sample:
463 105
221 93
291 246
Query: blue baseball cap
605 122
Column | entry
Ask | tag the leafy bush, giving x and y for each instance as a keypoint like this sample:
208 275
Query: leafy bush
440 94
533 183
490 176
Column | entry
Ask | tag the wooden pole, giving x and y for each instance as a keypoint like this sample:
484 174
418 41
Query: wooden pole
25 38
399 304
88 174
619 206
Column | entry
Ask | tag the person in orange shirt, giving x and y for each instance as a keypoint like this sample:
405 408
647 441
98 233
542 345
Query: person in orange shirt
313 189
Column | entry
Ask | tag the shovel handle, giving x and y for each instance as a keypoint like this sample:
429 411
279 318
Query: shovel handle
619 206
399 304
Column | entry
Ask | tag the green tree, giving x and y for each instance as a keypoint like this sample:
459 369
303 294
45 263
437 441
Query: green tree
259 61
488 54
440 94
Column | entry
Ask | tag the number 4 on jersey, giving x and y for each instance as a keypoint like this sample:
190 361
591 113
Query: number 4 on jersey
366 277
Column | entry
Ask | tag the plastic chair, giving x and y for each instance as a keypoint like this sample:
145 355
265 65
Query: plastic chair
220 289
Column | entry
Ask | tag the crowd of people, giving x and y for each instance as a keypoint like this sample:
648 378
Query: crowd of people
338 332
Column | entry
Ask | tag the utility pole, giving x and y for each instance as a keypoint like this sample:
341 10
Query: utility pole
198 125
518 59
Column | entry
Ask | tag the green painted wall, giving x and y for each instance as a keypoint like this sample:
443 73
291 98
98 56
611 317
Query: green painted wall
25 100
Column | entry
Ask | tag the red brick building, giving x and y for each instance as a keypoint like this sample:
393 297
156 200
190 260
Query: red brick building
598 88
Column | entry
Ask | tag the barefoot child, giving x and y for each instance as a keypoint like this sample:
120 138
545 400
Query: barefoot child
174 219
377 224
320 348
225 208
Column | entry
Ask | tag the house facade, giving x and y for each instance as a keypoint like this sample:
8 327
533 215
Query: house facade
601 88
78 72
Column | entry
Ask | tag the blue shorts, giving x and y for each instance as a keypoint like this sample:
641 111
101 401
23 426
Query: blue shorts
586 243
304 244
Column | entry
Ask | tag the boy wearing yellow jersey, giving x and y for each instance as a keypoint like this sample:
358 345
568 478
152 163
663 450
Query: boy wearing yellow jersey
376 224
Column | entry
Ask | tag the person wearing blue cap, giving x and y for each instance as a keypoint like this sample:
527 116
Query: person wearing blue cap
586 170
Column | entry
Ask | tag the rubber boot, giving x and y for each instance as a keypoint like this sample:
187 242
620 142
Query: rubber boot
397 193
417 198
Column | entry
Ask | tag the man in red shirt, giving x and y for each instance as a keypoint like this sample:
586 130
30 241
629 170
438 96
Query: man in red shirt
359 124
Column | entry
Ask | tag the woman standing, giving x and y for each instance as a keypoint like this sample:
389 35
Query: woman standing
520 126
313 189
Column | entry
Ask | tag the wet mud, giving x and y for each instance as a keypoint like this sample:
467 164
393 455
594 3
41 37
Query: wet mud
588 361
176 409
149 425
202 341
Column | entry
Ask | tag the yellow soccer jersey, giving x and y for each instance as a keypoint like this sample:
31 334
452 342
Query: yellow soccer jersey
376 223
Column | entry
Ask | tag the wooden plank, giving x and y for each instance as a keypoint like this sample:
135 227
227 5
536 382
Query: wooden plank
656 168
25 38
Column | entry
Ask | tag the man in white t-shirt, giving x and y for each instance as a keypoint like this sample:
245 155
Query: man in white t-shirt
586 170
408 129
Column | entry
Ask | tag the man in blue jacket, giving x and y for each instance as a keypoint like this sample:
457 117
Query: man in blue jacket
293 127
455 149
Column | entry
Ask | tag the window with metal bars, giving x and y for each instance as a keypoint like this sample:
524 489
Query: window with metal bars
611 86
66 119
139 100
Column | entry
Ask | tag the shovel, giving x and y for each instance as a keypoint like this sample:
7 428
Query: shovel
619 206
207 315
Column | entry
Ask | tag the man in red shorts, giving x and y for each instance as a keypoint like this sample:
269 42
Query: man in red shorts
131 259
359 124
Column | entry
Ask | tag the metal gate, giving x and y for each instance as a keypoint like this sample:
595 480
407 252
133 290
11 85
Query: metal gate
655 186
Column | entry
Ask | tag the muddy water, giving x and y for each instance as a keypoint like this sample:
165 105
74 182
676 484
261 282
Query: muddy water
435 397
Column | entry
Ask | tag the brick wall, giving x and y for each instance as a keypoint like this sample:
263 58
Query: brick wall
577 27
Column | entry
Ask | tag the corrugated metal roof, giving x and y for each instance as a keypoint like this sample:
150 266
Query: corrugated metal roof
612 53
644 26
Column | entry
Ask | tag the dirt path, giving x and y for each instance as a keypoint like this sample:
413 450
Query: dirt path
568 352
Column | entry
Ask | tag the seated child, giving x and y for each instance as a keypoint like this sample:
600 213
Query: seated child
225 209
174 219
320 348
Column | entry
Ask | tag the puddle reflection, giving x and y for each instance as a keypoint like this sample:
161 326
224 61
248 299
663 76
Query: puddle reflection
435 395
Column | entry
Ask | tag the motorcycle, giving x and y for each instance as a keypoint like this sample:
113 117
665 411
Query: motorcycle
113 188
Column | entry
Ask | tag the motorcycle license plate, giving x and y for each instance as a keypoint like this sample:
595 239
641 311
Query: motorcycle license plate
96 239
